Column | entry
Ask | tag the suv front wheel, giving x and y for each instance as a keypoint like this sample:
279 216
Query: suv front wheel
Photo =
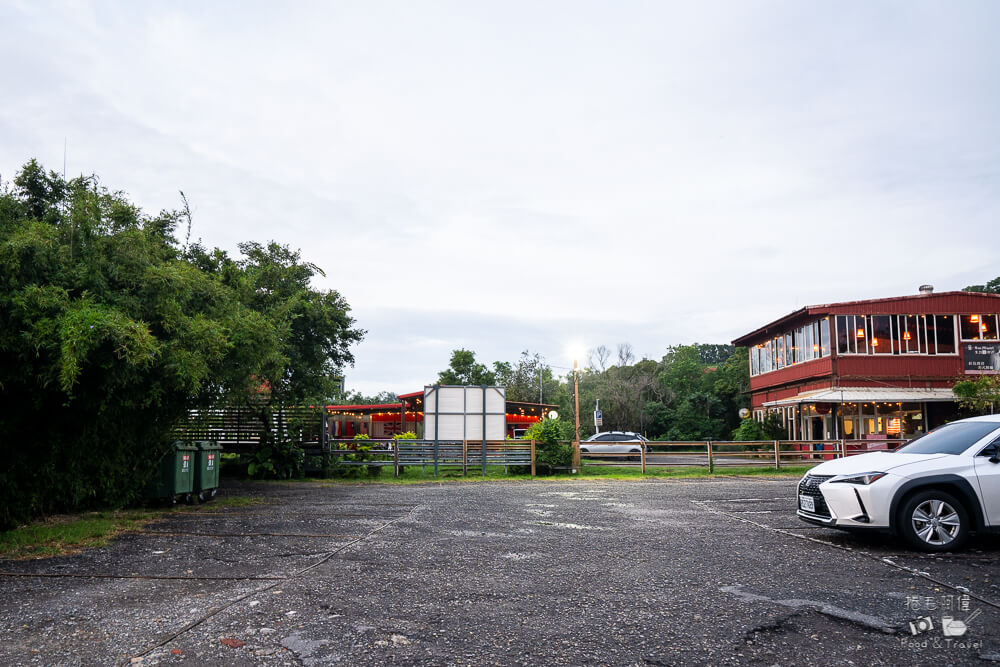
934 521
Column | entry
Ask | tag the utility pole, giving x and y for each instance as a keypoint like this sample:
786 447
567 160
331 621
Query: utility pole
576 401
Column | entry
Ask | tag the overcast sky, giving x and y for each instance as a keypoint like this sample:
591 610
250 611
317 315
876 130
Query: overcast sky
503 176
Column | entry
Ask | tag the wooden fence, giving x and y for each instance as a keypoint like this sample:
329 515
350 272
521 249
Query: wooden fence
240 430
717 453
437 454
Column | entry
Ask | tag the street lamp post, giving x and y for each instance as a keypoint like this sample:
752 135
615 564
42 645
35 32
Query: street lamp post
576 411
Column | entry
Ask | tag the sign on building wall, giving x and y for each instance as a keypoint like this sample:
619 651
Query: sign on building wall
465 413
981 358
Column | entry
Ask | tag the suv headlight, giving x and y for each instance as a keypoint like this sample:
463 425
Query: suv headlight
864 478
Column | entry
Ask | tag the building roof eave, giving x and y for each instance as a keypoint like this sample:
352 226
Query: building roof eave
827 308
745 339
866 395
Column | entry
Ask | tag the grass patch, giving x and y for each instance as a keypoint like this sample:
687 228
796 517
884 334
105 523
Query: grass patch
685 472
228 501
414 474
66 534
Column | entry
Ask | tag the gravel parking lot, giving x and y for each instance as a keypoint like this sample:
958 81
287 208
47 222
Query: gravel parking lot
663 572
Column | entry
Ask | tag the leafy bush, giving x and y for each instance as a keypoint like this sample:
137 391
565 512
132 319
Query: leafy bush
769 429
550 451
348 465
749 429
281 460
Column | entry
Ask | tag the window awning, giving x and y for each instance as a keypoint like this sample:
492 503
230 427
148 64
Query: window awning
867 395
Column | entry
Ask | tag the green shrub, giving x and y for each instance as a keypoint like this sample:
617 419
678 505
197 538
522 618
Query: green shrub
347 465
550 450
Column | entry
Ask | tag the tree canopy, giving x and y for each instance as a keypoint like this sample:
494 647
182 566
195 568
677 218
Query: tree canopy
465 370
111 330
693 392
992 287
981 394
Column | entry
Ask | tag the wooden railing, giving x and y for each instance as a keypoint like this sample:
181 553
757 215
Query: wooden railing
718 453
464 454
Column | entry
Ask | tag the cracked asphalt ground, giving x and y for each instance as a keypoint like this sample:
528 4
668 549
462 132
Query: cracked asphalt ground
663 572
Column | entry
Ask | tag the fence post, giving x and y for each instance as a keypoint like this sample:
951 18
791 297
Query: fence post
642 456
532 457
711 462
395 458
843 448
777 456
465 457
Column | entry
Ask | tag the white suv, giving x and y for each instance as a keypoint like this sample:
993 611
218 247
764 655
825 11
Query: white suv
614 442
932 492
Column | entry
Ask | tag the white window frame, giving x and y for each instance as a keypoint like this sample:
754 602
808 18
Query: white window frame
920 337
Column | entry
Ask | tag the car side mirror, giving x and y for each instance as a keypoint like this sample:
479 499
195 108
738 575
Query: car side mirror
994 453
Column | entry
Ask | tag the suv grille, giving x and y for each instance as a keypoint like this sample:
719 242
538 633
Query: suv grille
809 486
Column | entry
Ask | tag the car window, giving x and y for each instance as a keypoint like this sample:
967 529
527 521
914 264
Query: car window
608 436
990 449
952 438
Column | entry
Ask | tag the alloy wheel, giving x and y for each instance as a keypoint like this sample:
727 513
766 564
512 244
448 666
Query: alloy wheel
936 522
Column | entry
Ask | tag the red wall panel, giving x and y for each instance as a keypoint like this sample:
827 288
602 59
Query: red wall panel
758 398
809 369
899 368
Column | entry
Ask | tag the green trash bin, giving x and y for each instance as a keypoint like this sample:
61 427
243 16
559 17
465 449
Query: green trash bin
175 476
206 469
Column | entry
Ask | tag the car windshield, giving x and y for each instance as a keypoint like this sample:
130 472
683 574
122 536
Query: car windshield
952 438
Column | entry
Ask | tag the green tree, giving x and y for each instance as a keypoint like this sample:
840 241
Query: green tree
683 371
981 395
381 398
696 416
992 287
314 328
700 397
713 353
314 332
731 385
465 370
624 391
110 332
523 377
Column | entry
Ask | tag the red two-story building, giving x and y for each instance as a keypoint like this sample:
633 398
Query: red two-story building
876 369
